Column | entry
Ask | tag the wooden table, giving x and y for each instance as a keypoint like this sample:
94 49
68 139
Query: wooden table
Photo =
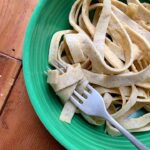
20 128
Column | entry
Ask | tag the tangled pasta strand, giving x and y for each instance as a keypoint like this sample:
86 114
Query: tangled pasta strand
108 47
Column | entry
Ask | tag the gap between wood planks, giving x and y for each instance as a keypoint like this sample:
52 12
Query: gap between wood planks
10 91
9 70
11 57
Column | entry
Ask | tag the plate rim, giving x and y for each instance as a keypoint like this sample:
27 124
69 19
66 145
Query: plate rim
27 78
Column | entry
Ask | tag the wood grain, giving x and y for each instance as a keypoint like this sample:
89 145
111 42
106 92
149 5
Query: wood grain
20 128
9 68
14 17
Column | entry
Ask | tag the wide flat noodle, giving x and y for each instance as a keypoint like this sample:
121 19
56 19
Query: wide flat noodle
67 112
101 27
59 82
109 48
142 13
75 50
120 5
85 14
99 64
131 102
54 46
146 5
72 15
132 24
113 81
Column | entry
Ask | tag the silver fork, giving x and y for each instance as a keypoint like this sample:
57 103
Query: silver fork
94 105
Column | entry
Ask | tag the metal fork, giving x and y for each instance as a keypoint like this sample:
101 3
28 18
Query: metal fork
93 104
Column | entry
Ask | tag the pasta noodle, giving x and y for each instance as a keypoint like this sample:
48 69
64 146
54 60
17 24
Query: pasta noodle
108 47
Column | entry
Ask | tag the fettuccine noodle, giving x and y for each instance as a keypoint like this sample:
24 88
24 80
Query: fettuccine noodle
109 48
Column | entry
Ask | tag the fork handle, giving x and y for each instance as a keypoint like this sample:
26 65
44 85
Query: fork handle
132 138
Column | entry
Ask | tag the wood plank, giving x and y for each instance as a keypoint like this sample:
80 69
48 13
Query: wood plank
20 128
14 17
9 68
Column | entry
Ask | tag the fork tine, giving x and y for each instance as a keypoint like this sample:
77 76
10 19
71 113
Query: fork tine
90 87
60 70
79 96
61 65
86 93
74 101
55 63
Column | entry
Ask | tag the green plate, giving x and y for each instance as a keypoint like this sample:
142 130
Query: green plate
48 17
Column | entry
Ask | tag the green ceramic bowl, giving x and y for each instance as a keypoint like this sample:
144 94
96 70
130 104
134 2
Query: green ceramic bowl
48 17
